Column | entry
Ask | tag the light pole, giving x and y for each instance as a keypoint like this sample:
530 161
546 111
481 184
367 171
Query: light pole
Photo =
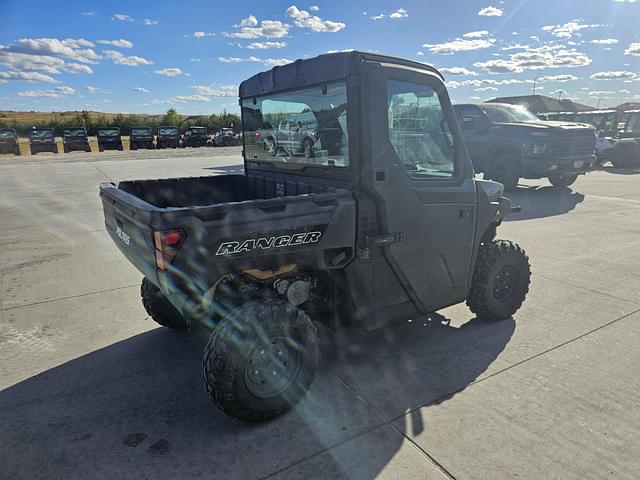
559 95
534 83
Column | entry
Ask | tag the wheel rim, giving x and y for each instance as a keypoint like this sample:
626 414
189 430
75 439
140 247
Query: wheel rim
505 283
271 368
307 149
271 147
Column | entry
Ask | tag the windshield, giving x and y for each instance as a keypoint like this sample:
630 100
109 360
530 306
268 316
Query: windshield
109 132
508 113
7 133
74 132
198 130
632 123
141 131
306 126
42 133
167 131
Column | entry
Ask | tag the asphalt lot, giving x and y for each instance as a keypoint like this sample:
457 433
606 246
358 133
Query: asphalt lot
91 388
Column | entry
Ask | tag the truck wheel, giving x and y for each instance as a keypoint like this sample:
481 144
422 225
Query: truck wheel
504 170
307 148
16 150
159 308
55 149
260 360
100 148
270 146
65 149
563 180
500 280
33 150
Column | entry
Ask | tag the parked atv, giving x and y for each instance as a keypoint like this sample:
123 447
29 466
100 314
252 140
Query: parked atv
42 140
109 139
140 137
75 139
9 142
388 225
168 137
195 137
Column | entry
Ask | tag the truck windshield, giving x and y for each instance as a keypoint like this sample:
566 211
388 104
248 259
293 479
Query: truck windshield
167 131
109 132
42 133
631 123
7 133
508 113
141 131
74 132
306 127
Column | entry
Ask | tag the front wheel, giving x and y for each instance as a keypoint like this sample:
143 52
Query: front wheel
500 280
563 180
159 308
504 170
261 360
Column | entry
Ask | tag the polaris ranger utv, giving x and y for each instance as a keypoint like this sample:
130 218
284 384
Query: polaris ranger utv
195 137
168 137
42 140
9 142
387 226
109 139
75 139
140 137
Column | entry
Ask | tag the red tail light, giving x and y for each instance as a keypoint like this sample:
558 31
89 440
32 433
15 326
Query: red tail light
167 244
257 135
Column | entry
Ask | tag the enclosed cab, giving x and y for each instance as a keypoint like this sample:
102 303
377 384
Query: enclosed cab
167 137
507 142
195 137
140 137
9 142
75 138
42 140
109 139
385 223
225 137
626 151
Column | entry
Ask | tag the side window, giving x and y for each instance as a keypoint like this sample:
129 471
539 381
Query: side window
418 130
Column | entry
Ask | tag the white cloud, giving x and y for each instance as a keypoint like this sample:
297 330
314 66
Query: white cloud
182 99
604 41
459 45
491 12
23 62
249 29
539 58
74 48
140 89
558 78
53 93
486 89
458 71
131 61
377 17
169 72
568 30
420 54
400 13
27 77
92 89
303 19
203 34
270 62
314 8
478 34
238 59
266 45
121 17
216 90
625 1
487 81
149 21
614 75
634 49
121 43
600 93
195 59
273 62
88 14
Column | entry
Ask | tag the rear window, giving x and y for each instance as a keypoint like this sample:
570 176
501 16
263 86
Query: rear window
42 133
304 127
140 131
167 131
7 133
74 132
109 132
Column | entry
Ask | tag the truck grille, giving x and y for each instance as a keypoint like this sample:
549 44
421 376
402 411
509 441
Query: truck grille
574 145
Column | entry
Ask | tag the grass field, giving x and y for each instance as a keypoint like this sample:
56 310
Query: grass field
40 117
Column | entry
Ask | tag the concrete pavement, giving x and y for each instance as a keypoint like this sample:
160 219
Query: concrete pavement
91 388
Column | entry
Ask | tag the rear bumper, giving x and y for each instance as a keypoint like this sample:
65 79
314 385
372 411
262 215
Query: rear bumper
8 147
541 167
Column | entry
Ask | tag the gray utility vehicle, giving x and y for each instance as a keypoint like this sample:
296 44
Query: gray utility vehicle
109 139
195 137
42 140
9 142
508 142
75 138
625 153
168 137
389 227
140 137
295 135
225 138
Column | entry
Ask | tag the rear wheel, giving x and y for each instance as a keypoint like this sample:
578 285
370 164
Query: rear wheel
504 169
563 180
16 150
33 150
100 148
159 308
307 148
55 149
261 360
270 146
500 280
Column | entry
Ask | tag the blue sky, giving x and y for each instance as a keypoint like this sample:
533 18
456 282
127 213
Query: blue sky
145 57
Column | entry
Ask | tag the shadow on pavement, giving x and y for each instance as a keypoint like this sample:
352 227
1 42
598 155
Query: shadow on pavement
539 202
621 171
137 408
237 169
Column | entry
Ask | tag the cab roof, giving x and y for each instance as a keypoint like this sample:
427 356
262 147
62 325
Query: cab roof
323 68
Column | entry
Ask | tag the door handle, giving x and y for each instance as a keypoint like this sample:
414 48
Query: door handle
465 214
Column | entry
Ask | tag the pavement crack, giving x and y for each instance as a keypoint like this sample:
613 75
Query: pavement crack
67 298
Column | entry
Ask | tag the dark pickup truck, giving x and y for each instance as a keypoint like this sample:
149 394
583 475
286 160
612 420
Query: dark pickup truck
168 137
195 137
625 153
109 139
42 140
140 137
9 142
225 137
75 138
387 226
507 142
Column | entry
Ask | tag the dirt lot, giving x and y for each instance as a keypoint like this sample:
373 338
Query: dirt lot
90 387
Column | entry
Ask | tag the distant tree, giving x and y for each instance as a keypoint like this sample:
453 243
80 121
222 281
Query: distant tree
171 118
